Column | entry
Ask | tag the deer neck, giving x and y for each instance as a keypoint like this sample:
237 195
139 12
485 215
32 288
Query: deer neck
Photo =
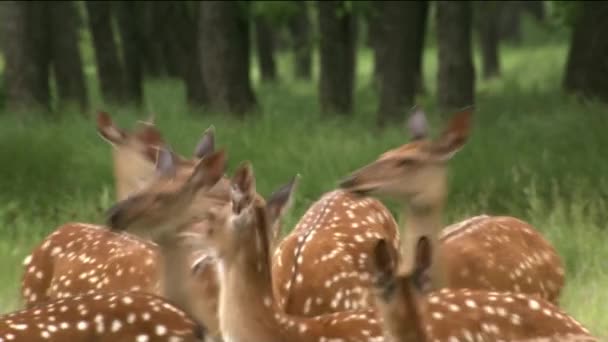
423 221
176 274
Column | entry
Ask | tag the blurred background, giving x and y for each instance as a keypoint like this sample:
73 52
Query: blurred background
318 88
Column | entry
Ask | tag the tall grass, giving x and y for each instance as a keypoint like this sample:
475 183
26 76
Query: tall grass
534 153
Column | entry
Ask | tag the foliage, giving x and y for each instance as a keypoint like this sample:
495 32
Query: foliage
276 12
565 12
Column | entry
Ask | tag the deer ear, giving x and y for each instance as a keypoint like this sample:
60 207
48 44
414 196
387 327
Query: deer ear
417 124
454 136
422 263
209 170
242 187
206 144
281 200
384 260
166 163
108 130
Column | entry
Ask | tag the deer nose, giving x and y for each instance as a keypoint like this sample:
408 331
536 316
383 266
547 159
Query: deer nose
116 216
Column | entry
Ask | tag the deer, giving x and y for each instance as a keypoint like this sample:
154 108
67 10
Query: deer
134 153
239 236
498 253
102 316
79 257
410 312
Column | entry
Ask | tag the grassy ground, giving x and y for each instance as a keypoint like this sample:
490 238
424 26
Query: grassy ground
534 154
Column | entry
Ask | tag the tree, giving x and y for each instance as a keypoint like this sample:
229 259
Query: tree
265 47
456 75
26 55
423 14
488 18
510 21
65 52
131 38
224 46
299 28
109 67
397 47
586 69
337 26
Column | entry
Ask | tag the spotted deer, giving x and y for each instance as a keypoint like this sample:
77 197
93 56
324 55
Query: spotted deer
324 264
484 252
238 235
79 258
410 313
103 317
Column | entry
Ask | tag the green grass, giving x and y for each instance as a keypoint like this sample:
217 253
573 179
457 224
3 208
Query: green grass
534 153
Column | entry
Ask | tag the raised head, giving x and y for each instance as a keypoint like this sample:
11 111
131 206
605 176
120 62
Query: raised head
415 171
250 220
179 189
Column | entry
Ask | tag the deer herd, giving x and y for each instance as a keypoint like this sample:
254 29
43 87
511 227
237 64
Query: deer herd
189 253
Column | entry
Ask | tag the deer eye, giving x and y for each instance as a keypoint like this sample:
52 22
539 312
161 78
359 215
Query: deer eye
406 161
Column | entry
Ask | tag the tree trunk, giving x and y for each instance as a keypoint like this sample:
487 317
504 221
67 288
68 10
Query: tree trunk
224 45
299 27
396 43
109 68
587 66
487 19
536 8
456 76
510 21
373 17
65 50
337 28
153 28
423 8
131 45
184 20
265 49
27 59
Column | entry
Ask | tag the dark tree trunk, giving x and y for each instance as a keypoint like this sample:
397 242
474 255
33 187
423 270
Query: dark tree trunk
265 47
536 8
109 68
398 60
184 21
65 50
487 23
456 76
131 45
153 26
166 12
27 55
224 46
587 66
510 21
299 27
374 17
423 8
337 28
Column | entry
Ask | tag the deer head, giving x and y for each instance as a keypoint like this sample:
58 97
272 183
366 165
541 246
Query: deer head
165 204
398 297
415 171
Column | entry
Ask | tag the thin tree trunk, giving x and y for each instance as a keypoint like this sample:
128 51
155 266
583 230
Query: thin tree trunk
536 8
337 49
265 47
488 25
456 76
26 54
131 44
65 50
224 46
587 66
374 16
299 27
422 25
109 67
152 26
510 21
186 53
396 43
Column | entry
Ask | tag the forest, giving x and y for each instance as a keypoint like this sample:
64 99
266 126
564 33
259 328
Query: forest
317 89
